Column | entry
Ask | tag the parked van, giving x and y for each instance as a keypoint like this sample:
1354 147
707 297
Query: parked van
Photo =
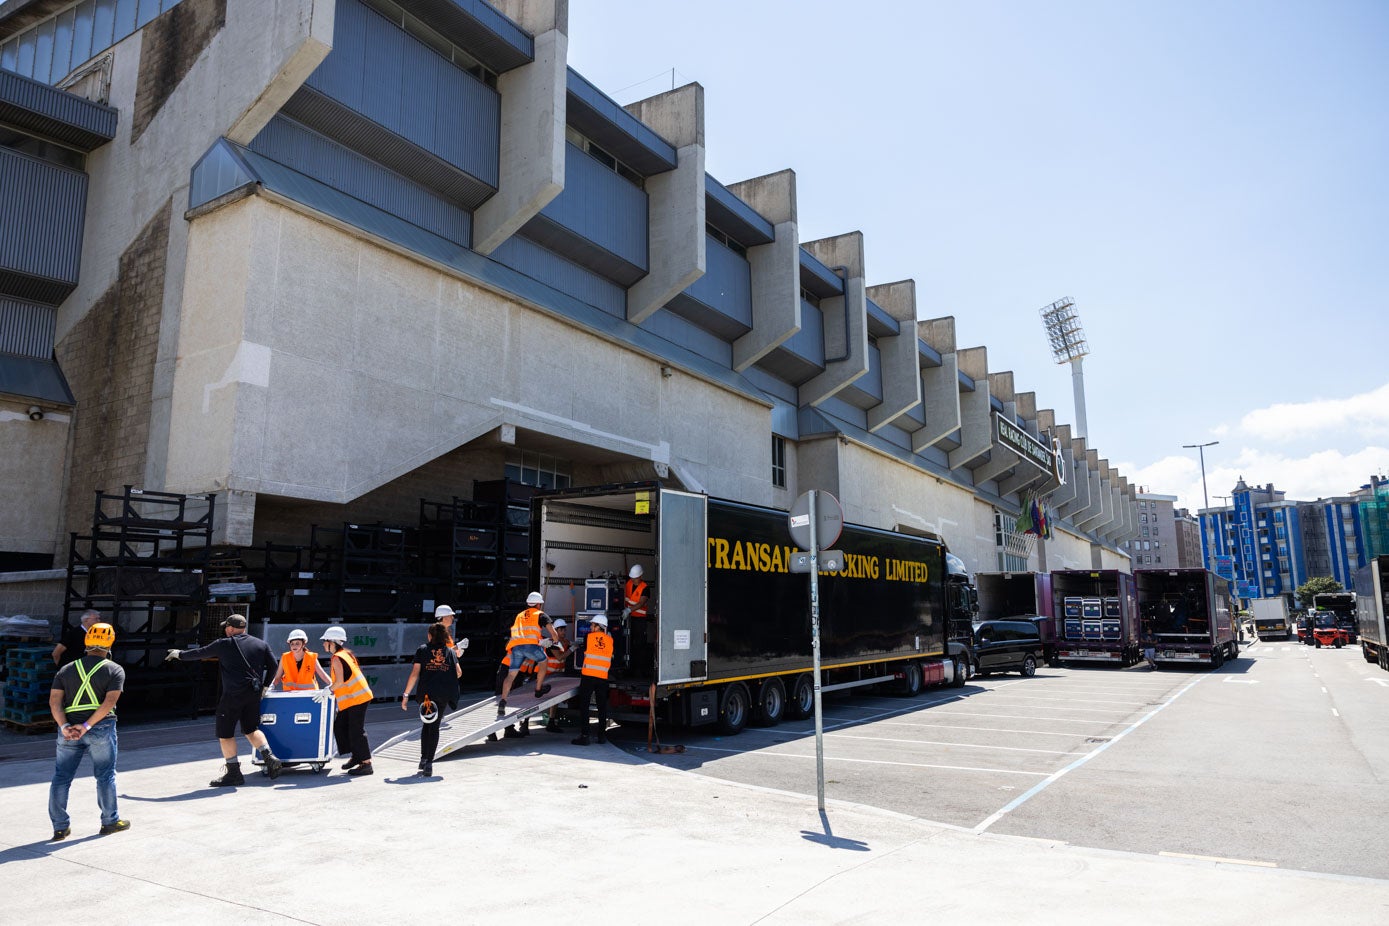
1008 645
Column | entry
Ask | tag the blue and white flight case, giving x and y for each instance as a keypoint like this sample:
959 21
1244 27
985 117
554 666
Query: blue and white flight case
298 727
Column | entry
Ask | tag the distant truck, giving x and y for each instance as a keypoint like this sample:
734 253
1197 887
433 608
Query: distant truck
1097 614
1342 606
1020 594
1187 616
728 639
1371 608
1271 621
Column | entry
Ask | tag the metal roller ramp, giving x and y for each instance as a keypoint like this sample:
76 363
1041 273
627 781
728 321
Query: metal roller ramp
475 722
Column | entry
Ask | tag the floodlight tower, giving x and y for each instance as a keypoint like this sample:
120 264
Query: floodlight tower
1068 346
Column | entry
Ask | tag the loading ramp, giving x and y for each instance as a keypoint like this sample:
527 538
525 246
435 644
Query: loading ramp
475 722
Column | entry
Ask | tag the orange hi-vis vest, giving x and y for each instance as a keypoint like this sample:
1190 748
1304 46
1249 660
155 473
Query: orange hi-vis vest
526 628
598 654
635 591
527 665
555 659
354 689
301 677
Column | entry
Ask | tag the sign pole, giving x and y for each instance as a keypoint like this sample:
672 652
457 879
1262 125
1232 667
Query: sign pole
815 649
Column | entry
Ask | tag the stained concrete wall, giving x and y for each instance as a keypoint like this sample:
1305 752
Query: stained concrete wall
32 455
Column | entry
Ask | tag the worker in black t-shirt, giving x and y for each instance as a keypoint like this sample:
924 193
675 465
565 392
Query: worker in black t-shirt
73 642
246 663
82 700
436 670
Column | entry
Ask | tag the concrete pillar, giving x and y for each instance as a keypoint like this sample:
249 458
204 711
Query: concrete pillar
1094 507
940 386
1099 519
533 107
1063 493
900 365
844 317
1002 460
676 203
1079 480
776 268
298 57
976 425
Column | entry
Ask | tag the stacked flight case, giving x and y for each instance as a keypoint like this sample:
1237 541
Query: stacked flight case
298 726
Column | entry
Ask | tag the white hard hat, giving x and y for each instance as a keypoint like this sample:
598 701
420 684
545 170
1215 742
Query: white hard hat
443 611
601 620
561 622
297 635
335 633
635 572
535 598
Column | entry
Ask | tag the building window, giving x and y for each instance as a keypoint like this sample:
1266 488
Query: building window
724 239
1142 519
538 469
602 156
778 461
449 51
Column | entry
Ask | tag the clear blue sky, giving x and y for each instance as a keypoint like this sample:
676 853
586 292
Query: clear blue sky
1208 181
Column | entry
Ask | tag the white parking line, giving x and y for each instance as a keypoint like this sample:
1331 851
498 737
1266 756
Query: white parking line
1078 700
953 768
886 739
951 726
1095 720
1076 710
1083 710
1057 775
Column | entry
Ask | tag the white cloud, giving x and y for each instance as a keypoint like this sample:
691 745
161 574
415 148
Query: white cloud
1323 474
1365 415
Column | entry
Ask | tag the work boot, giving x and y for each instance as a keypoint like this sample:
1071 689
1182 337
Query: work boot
363 769
491 737
60 835
580 741
542 691
231 776
272 764
501 707
120 826
428 770
553 727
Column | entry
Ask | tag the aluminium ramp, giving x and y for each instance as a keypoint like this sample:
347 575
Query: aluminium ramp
475 722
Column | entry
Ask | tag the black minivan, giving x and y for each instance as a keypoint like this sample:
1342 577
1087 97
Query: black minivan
1007 645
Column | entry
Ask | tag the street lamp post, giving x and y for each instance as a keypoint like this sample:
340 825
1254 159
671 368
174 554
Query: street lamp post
1201 448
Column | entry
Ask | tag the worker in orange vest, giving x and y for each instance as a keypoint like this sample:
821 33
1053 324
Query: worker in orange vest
634 594
556 658
350 687
593 681
530 627
299 669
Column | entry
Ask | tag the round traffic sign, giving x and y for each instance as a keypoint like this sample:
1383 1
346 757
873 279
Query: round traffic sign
828 513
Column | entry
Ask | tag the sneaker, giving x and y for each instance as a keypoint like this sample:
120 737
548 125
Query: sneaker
363 769
427 771
542 691
60 835
120 826
580 741
231 777
501 708
349 766
273 765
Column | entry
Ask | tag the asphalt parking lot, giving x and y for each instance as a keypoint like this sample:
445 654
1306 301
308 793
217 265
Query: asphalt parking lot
956 756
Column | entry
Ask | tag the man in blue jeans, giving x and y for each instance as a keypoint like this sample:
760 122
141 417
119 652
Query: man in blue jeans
82 701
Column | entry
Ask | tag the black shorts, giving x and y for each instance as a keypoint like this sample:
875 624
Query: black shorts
243 709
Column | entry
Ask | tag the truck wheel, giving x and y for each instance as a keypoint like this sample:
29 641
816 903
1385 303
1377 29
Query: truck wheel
771 703
802 701
1217 659
1366 652
1384 659
733 709
1339 643
1234 649
1028 667
910 686
957 676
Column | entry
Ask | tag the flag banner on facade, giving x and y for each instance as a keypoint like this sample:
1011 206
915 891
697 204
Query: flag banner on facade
1025 522
1034 517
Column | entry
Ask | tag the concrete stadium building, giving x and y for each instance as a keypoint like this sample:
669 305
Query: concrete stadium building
339 256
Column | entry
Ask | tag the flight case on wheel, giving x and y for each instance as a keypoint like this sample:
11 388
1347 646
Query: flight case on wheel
298 727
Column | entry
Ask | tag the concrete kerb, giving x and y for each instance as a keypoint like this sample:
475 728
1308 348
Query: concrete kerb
685 847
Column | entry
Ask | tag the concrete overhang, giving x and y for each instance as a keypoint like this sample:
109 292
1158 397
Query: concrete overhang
55 115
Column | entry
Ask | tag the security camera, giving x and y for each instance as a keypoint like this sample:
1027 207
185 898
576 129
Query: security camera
35 413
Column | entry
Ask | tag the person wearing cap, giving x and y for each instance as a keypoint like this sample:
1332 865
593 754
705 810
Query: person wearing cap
350 687
299 669
556 658
530 627
634 594
593 681
245 662
444 615
74 641
436 671
82 700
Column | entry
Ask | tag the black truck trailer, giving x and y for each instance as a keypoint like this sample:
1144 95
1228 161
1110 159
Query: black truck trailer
1186 616
728 637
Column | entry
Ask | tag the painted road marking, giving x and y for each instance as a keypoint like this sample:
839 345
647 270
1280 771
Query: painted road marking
1242 681
1378 681
885 739
1217 858
1335 713
796 755
951 726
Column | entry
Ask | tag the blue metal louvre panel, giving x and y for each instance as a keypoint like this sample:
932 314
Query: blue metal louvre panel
809 342
53 48
678 330
41 221
996 403
916 414
881 324
26 328
927 355
479 29
818 278
55 114
217 172
778 388
734 217
966 383
845 412
528 257
310 153
378 71
601 207
34 378
725 289
602 120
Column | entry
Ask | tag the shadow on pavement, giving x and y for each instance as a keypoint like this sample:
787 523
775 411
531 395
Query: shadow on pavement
831 841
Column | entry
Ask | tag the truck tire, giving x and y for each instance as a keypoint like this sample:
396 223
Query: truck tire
911 684
1384 659
1339 643
957 676
1028 667
734 708
1217 659
1234 649
771 703
1366 652
801 703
